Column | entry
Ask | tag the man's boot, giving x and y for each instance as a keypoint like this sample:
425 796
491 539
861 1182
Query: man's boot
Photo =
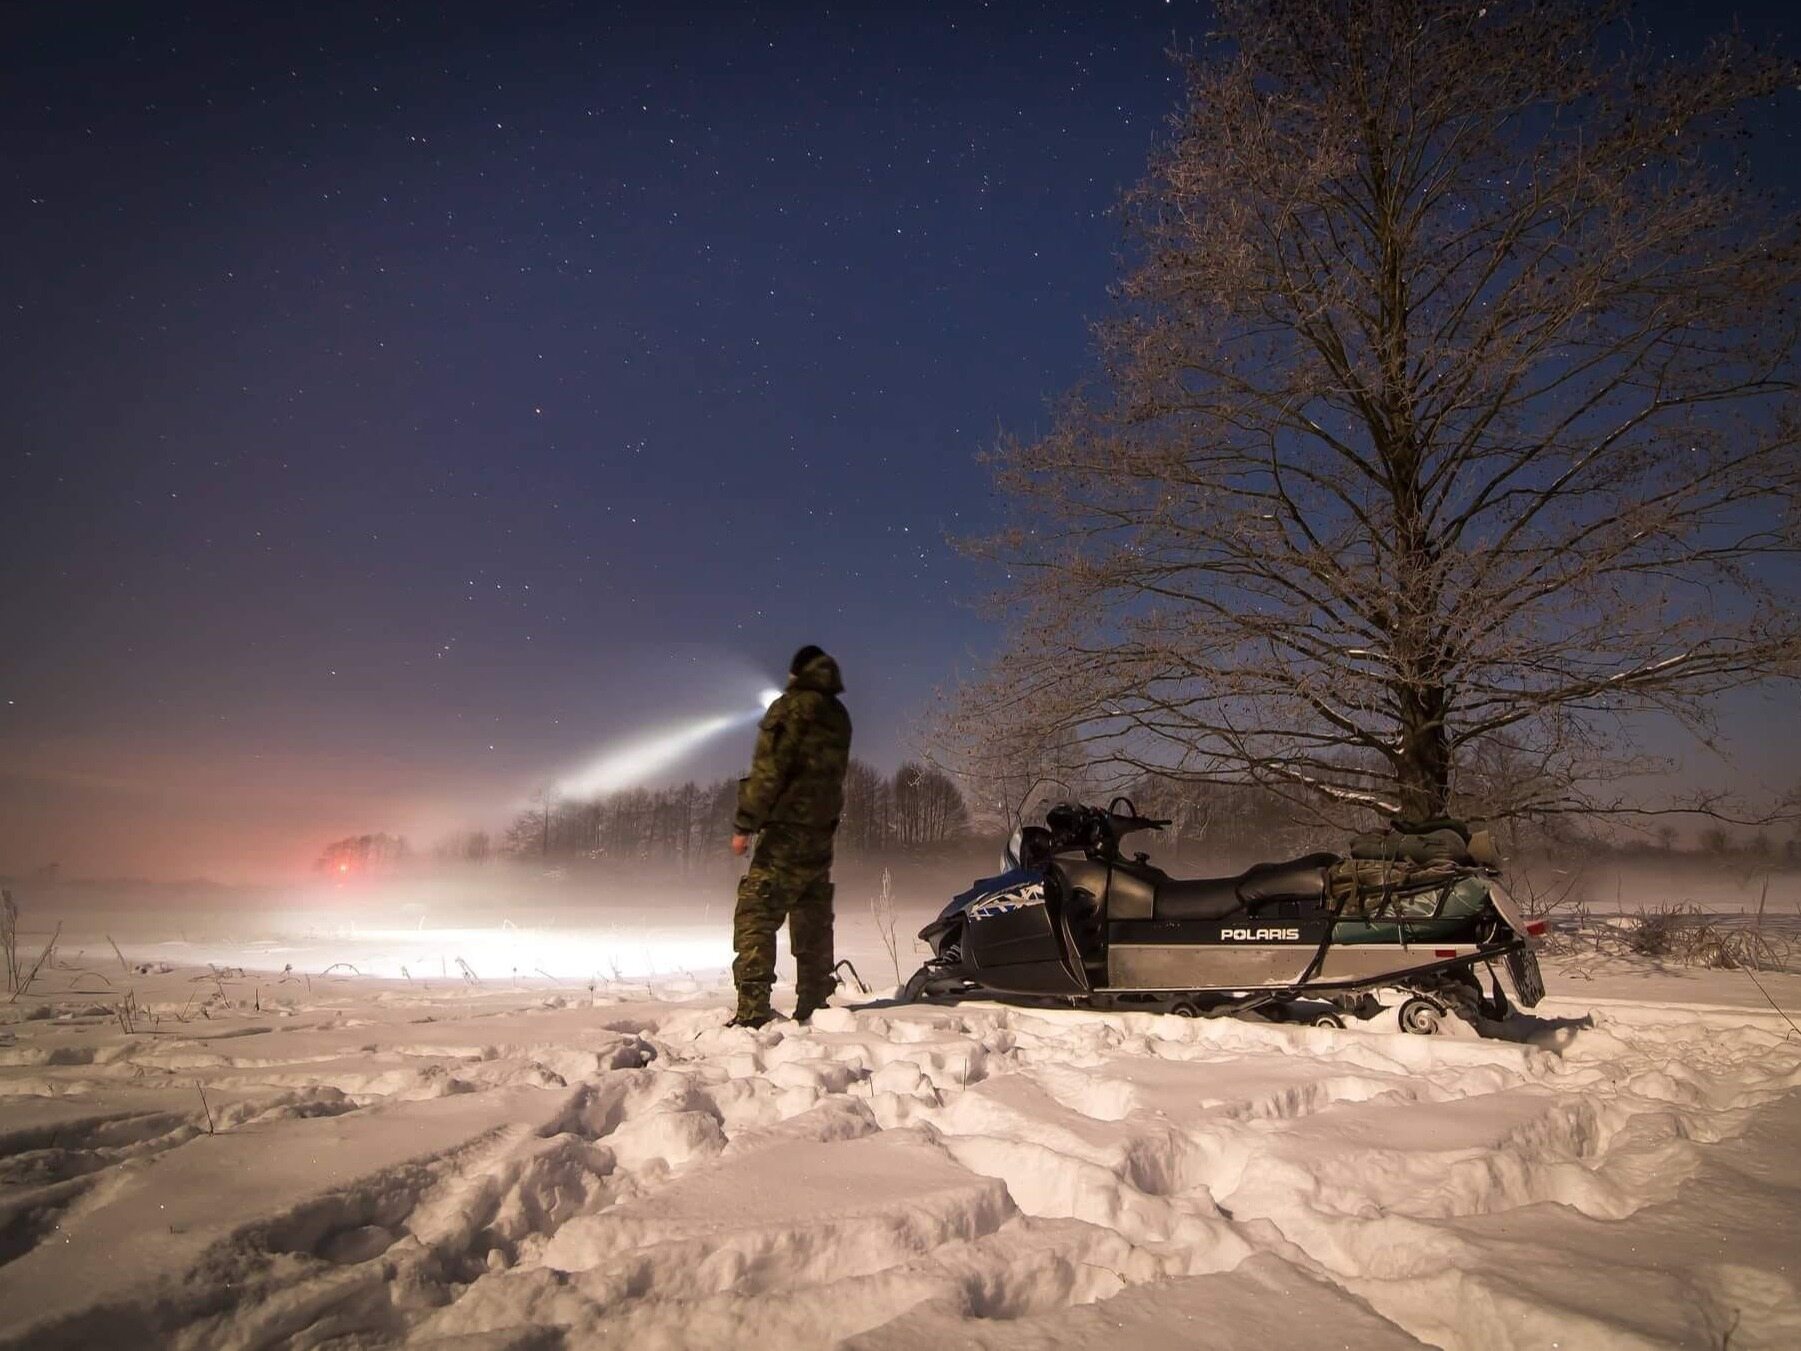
753 1007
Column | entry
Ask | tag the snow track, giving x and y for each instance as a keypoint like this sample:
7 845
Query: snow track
392 1166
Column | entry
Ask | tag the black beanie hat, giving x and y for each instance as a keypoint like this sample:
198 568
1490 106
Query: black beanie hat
802 657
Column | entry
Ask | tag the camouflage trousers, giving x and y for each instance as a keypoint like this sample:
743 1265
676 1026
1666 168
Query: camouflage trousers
789 879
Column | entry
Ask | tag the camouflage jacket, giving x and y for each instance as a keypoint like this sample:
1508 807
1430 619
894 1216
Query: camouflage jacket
803 748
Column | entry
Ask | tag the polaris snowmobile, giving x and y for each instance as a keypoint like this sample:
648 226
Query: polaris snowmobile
1071 921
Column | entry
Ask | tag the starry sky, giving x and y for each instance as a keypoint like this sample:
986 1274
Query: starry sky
403 403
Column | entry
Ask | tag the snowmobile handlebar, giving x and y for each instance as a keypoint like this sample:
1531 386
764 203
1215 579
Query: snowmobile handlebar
1124 823
1072 825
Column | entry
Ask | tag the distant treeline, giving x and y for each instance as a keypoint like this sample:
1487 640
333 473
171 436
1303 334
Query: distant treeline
916 808
920 809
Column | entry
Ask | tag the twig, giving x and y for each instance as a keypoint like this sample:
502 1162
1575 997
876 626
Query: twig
468 973
881 908
1773 1004
9 938
120 955
43 956
203 1106
1119 1276
335 965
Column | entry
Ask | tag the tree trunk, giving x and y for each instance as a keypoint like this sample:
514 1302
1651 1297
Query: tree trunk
1423 768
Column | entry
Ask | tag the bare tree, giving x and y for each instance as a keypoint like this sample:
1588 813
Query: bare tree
1010 756
1213 819
928 806
1449 407
363 854
861 826
526 835
464 846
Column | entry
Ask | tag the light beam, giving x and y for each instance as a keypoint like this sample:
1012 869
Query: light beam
631 764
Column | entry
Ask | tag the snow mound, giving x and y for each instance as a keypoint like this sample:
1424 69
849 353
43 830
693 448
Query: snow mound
530 1168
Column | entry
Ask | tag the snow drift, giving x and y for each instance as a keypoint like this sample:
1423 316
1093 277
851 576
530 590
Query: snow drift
541 1164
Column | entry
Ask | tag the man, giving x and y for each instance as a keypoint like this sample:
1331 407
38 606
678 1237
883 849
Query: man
790 802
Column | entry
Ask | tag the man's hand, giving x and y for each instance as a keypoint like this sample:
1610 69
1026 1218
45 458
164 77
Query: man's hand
740 845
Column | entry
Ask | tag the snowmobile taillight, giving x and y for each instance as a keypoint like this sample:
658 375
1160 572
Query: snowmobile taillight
1444 952
1536 928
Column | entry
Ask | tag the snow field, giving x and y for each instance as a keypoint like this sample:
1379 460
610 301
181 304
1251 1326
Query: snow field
388 1164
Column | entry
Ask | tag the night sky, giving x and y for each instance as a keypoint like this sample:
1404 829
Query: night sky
402 404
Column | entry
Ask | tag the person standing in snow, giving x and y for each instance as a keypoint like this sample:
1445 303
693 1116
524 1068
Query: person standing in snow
790 801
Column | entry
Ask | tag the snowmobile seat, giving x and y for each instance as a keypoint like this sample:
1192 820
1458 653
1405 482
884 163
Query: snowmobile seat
1202 898
1301 879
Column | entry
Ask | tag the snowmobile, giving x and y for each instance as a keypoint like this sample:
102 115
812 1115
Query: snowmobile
1073 921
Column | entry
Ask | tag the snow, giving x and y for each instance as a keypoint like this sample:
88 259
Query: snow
584 1156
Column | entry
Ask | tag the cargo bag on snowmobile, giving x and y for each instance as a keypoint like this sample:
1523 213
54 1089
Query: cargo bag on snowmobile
1438 841
1379 900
